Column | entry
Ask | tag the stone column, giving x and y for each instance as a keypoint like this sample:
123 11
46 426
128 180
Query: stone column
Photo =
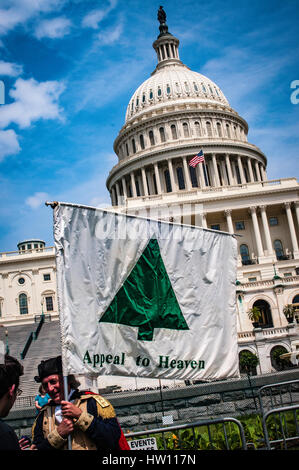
133 185
171 174
209 165
201 176
123 180
297 211
229 169
113 199
260 251
118 197
187 174
263 172
250 170
215 168
228 215
257 169
158 181
266 230
291 226
144 182
204 220
240 166
224 175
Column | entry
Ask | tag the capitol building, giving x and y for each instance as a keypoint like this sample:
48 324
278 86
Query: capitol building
171 116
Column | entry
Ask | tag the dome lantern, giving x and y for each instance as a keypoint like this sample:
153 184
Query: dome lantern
166 45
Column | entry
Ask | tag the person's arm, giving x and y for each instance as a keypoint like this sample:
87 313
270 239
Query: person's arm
105 432
55 439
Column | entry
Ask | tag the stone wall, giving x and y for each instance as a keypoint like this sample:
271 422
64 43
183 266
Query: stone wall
143 410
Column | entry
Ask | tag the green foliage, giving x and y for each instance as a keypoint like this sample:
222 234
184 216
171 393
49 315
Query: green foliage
289 311
226 436
248 361
254 314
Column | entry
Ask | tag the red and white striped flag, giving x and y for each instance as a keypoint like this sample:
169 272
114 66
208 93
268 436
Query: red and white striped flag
199 158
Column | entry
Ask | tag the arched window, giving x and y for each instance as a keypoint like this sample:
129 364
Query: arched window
162 134
141 138
227 131
173 131
278 363
265 309
23 304
133 146
180 175
168 90
185 129
209 128
197 128
127 150
296 299
219 130
247 362
278 249
244 252
151 137
159 92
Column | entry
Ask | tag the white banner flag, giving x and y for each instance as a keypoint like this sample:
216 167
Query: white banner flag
144 298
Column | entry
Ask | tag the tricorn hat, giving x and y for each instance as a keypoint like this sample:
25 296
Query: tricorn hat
49 367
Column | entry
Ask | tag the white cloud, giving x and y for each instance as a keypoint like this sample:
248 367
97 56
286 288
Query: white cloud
36 200
10 69
9 144
94 17
54 28
33 101
17 12
111 35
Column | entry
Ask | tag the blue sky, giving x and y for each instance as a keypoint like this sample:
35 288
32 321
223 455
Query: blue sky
70 67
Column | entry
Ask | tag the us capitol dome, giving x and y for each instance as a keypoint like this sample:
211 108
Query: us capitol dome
170 117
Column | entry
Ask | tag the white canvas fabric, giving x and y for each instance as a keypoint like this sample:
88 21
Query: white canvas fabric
97 254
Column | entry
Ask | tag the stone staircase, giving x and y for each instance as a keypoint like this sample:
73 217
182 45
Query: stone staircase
45 346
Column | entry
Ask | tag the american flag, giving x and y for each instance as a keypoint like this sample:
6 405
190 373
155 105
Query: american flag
199 158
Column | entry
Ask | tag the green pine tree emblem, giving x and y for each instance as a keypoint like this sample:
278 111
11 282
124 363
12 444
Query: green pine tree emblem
146 299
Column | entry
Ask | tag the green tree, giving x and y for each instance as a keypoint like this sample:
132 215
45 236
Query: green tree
146 300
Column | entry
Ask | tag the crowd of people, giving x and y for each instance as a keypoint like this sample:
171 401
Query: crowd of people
66 419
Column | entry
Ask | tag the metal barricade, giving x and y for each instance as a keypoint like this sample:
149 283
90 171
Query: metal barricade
277 395
284 427
175 437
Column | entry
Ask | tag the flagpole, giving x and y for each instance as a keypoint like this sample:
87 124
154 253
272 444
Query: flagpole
53 205
66 397
131 216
